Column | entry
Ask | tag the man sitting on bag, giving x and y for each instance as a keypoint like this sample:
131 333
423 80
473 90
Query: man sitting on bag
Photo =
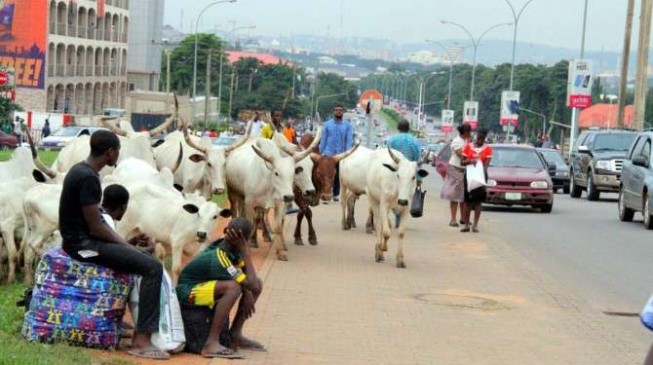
219 276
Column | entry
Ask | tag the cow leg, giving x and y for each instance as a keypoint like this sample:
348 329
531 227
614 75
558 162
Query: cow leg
312 237
344 204
265 225
298 228
352 209
277 229
378 253
385 225
252 215
12 253
400 232
29 255
177 254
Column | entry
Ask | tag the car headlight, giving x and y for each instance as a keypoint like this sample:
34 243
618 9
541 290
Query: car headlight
539 185
603 165
61 144
491 183
562 173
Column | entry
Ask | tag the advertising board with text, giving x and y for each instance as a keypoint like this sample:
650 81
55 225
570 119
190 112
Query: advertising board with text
579 84
509 106
447 121
470 115
7 83
23 33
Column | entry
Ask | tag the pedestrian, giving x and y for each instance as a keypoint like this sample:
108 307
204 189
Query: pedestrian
18 130
453 189
289 133
275 126
87 238
218 277
472 153
45 132
337 137
409 147
257 125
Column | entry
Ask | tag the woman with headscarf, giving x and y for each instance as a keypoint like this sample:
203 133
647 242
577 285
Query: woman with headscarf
453 189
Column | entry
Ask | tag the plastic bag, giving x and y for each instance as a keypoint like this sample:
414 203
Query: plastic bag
475 176
171 325
646 317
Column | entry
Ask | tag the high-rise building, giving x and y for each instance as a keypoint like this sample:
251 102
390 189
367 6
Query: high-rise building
69 56
145 44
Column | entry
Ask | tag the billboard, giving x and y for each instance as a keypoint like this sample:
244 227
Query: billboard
23 36
579 84
509 108
447 121
471 113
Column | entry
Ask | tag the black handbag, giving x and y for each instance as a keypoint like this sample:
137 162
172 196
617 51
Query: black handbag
417 205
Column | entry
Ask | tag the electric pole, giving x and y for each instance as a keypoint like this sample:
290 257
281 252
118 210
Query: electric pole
625 61
207 93
641 86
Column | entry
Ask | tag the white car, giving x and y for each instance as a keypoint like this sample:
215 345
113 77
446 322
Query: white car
61 137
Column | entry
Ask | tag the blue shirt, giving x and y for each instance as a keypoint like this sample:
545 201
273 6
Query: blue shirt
407 145
337 137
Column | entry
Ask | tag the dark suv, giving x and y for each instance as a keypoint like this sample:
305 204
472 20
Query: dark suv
596 161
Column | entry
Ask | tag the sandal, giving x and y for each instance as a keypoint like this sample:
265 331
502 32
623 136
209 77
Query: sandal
465 230
225 353
151 353
453 224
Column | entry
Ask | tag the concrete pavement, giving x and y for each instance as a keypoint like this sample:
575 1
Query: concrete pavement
464 298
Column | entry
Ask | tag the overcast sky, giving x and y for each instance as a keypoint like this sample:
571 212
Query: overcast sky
549 22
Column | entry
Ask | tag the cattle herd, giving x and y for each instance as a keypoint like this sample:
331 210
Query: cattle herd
171 183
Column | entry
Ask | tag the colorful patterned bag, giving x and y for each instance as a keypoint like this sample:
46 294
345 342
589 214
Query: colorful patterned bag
74 302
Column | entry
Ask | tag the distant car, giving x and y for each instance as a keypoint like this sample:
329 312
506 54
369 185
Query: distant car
62 136
637 181
560 176
7 141
223 142
519 175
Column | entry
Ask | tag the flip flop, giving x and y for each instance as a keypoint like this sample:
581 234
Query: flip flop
475 230
453 224
224 354
150 353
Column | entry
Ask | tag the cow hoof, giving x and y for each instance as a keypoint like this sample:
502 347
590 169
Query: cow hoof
401 265
353 224
312 241
299 242
369 230
346 226
282 256
379 257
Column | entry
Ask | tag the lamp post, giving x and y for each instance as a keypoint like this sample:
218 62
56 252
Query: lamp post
422 93
317 101
221 62
516 15
475 43
197 23
575 111
451 63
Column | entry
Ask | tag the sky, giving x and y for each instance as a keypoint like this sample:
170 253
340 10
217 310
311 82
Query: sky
548 22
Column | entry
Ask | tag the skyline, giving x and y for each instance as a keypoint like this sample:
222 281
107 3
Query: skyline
392 21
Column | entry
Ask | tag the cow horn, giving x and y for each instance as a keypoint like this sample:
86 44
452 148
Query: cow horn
282 144
37 160
168 121
316 141
344 155
396 159
261 154
113 128
179 158
189 140
241 141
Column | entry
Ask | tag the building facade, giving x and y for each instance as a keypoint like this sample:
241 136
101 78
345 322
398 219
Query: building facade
83 45
145 45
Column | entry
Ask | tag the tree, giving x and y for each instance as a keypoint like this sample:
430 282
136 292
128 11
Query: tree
331 84
182 60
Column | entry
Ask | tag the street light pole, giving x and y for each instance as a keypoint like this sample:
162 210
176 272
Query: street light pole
575 111
221 62
451 63
475 43
516 15
197 24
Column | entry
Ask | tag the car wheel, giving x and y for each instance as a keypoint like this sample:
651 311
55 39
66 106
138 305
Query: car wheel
592 193
555 191
575 191
648 220
545 208
625 214
566 189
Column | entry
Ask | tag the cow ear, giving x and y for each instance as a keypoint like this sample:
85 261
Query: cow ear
38 176
226 213
158 143
191 208
422 173
390 167
299 170
197 157
178 187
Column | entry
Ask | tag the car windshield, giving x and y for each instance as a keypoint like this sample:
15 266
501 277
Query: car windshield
516 157
553 157
66 132
613 141
224 141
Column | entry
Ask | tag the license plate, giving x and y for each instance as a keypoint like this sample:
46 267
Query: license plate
513 196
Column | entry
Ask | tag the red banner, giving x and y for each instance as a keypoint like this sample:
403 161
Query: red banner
23 34
100 8
580 101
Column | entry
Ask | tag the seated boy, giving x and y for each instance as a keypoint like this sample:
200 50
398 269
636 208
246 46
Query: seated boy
115 199
219 276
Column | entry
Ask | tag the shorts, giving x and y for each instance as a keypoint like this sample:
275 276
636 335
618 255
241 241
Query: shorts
203 294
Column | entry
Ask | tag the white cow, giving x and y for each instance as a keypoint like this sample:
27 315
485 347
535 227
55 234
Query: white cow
259 177
391 182
169 218
353 184
20 165
203 169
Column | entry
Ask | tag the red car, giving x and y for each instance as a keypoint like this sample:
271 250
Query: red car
518 175
7 141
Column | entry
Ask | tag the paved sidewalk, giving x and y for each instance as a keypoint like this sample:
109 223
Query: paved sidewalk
464 299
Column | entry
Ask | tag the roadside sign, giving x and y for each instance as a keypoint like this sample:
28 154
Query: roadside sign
579 84
7 84
509 108
447 121
4 78
471 114
374 97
